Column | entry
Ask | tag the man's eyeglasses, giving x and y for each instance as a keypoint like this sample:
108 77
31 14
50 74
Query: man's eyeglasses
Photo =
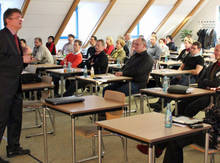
18 18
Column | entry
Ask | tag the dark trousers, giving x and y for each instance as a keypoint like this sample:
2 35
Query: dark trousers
191 106
122 87
56 85
11 116
174 151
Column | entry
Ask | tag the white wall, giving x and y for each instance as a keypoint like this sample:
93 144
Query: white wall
43 18
208 12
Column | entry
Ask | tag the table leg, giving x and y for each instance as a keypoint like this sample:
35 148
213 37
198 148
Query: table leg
45 135
62 85
126 149
73 139
129 100
150 153
153 154
76 87
176 108
206 147
142 104
162 103
100 143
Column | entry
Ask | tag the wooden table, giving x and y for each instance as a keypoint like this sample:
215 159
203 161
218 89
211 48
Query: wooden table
116 66
148 128
91 105
59 73
43 67
106 78
36 86
172 56
170 63
158 92
169 73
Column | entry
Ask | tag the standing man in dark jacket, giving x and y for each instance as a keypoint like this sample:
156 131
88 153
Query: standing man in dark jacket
138 67
11 66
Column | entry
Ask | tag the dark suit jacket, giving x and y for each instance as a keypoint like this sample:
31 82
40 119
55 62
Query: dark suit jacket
11 65
139 67
100 63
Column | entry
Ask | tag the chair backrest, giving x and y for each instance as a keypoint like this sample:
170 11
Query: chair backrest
47 79
115 96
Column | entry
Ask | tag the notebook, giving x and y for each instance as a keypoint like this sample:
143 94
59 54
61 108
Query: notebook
186 120
64 100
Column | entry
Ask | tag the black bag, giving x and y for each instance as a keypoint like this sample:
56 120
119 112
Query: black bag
178 89
30 78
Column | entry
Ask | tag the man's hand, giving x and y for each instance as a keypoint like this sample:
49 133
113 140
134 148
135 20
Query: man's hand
118 74
27 59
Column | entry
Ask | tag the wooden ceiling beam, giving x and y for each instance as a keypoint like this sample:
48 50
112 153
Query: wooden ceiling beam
24 7
187 18
100 21
175 6
66 20
141 14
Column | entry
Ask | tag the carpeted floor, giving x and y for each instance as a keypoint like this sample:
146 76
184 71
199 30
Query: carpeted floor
60 145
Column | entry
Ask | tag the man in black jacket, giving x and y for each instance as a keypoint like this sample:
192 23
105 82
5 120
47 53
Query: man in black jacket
11 66
138 67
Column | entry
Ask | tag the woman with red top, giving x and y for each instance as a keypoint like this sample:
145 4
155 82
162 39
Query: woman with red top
110 45
51 46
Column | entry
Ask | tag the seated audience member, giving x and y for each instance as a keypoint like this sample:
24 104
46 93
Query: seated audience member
51 46
154 50
170 43
119 54
138 67
75 59
190 107
127 47
68 47
194 63
164 49
132 50
187 43
40 53
109 45
25 48
91 50
99 62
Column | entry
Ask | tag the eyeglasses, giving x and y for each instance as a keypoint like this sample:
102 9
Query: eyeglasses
18 18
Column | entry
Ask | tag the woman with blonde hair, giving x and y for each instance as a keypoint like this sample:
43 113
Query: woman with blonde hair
119 54
187 43
109 45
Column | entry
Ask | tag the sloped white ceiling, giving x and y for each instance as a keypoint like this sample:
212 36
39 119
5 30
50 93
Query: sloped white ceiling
121 16
43 18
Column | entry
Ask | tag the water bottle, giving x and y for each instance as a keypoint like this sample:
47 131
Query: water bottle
118 62
166 58
64 67
168 117
165 83
92 73
85 72
69 67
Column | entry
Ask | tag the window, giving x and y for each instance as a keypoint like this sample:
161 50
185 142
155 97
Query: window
83 20
151 20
